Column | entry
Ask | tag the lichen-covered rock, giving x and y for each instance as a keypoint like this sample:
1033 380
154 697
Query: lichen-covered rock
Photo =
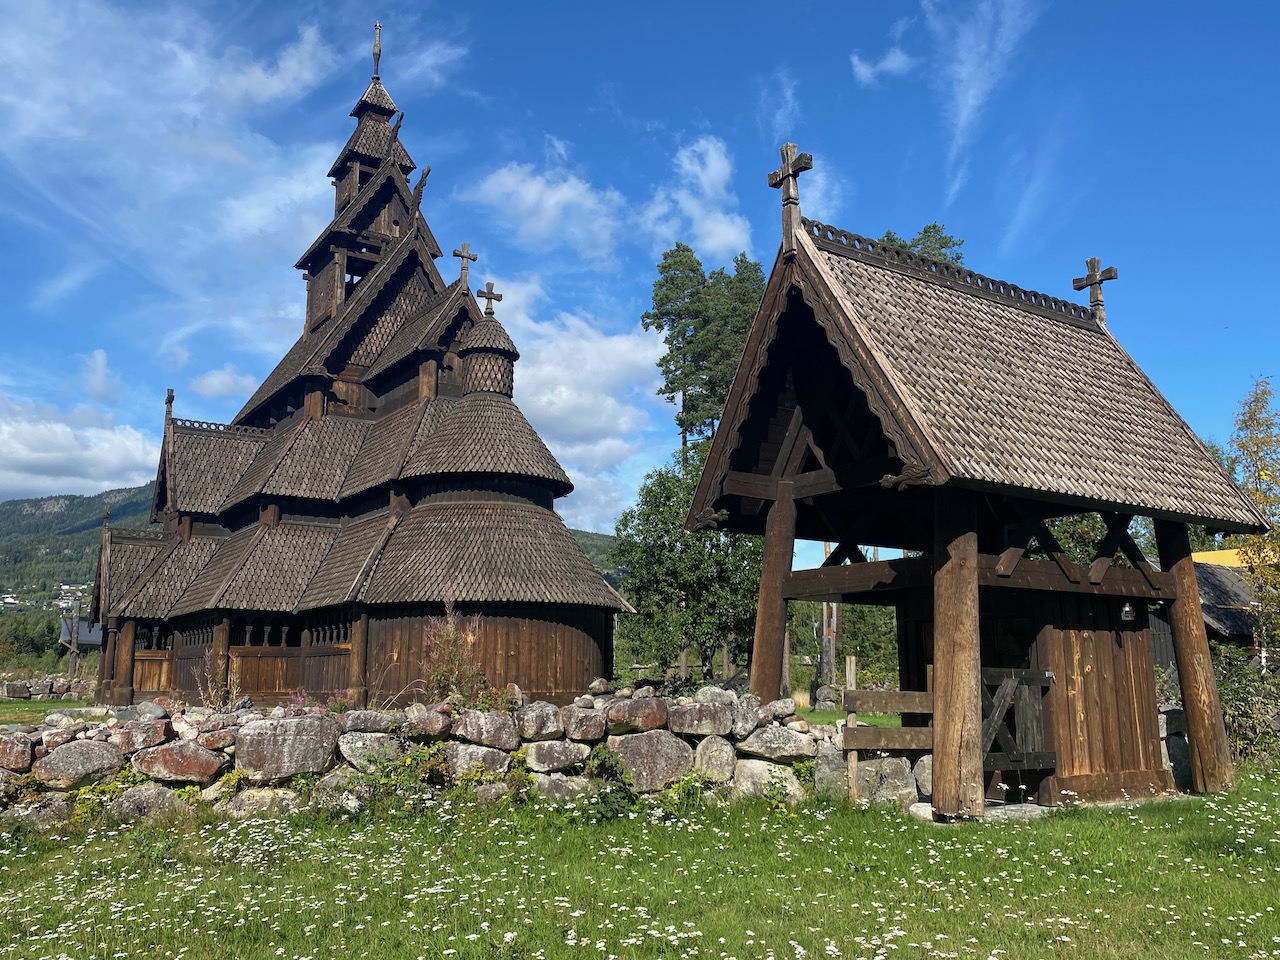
147 800
779 709
600 686
746 717
715 759
582 723
365 750
426 726
556 786
77 764
636 716
150 710
341 790
778 744
489 792
830 772
135 735
539 721
716 695
548 756
274 749
463 758
368 721
182 761
263 802
887 780
46 812
654 758
16 752
15 691
700 719
491 729
185 727
923 772
218 739
753 778
40 688
52 739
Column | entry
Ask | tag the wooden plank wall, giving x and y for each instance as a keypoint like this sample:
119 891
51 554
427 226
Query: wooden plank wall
148 673
264 673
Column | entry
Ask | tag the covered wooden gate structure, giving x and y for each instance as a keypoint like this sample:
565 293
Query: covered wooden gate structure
887 399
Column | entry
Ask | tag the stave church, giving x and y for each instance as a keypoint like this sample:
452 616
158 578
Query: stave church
380 472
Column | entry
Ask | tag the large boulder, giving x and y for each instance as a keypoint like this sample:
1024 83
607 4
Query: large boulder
135 735
426 726
654 758
274 749
151 710
923 772
15 691
492 729
539 721
548 756
746 716
781 708
464 757
78 764
146 800
49 811
636 716
263 802
716 695
364 750
40 688
368 721
52 739
218 739
830 772
779 745
715 759
753 778
556 786
700 719
887 780
183 761
582 723
16 752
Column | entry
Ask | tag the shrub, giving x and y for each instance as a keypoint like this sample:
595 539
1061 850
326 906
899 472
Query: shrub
1250 702
446 667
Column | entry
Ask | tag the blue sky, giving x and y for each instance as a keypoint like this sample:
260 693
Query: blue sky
162 167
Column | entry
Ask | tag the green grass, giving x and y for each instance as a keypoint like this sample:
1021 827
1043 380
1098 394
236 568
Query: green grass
34 711
1188 878
831 716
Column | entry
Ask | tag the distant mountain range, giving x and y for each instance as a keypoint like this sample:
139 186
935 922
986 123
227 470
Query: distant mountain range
49 540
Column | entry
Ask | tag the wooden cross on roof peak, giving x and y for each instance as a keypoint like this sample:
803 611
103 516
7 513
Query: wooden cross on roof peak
488 294
467 258
1094 280
377 46
793 164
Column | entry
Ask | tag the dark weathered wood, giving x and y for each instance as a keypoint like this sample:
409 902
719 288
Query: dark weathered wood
1102 787
1211 769
888 738
360 642
771 611
833 582
957 754
888 701
1048 575
123 690
1042 678
1031 760
1000 704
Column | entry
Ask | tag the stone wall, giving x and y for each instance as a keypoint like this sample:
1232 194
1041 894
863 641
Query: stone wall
745 747
47 688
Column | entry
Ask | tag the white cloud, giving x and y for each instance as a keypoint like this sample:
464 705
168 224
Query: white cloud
298 67
43 450
431 68
895 62
974 50
699 208
556 150
553 208
779 108
226 382
101 382
823 191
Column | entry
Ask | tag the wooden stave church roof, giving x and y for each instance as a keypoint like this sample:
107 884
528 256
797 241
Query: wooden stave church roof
329 462
975 423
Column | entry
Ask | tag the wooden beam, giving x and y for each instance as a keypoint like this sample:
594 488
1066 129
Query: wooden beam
958 781
889 738
122 692
771 610
359 649
1211 769
888 701
828 582
1048 575
1000 705
737 483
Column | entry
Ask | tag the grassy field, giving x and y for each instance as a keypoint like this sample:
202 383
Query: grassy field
34 711
1185 878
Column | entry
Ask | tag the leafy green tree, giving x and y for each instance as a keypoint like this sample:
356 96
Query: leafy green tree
689 589
704 321
932 241
1255 448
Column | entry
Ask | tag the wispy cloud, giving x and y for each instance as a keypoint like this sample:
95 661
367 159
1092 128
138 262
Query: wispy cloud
894 62
298 67
823 191
975 51
63 284
699 206
778 109
432 67
224 382
100 381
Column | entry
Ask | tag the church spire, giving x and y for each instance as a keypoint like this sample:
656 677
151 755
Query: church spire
377 46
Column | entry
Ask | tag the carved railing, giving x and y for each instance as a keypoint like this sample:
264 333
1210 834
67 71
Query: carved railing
221 427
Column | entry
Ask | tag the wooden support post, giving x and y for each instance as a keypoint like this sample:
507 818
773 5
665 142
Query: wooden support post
359 651
1211 769
851 683
122 692
771 611
221 652
107 664
958 784
169 666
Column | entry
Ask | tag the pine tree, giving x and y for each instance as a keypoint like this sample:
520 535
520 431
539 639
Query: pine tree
932 241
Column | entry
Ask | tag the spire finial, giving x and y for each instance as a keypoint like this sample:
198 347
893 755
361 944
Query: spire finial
168 404
488 294
417 191
377 47
1094 279
467 258
793 164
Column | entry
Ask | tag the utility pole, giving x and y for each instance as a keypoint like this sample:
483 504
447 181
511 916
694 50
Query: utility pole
71 622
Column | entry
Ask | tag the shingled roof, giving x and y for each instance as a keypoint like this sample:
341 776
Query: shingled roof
993 387
206 462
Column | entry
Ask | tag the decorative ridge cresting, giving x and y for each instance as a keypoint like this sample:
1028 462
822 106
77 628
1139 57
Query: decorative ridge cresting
126 533
221 427
949 274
